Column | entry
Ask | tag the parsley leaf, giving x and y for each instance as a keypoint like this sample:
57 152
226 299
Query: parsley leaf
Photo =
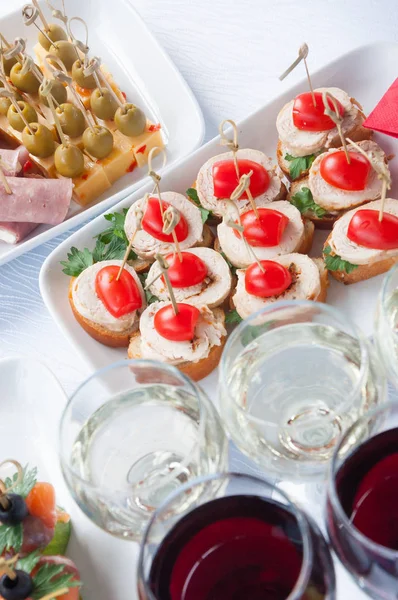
231 266
78 260
115 250
336 263
193 195
51 578
304 201
232 317
28 481
150 298
252 332
11 537
28 563
116 228
299 164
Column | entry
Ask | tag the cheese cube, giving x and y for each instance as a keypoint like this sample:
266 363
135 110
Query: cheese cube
91 184
143 144
121 160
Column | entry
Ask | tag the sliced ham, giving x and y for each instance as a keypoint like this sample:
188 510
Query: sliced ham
12 161
12 233
35 200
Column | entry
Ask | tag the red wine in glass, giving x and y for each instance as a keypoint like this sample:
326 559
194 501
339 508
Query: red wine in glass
238 548
367 488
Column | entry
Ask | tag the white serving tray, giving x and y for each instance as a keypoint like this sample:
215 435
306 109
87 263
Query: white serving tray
144 71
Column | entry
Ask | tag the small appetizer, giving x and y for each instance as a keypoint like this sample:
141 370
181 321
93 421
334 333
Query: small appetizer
217 179
201 276
280 229
334 186
305 131
289 277
34 535
192 339
361 246
150 238
105 304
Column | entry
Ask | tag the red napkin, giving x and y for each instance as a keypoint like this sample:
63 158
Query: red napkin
384 117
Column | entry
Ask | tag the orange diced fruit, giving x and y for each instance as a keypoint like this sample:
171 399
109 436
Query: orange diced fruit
41 503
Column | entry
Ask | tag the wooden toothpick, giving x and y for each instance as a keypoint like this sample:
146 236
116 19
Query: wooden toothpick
377 162
302 55
45 90
4 93
335 116
163 265
7 567
41 15
139 214
30 15
234 147
171 218
78 44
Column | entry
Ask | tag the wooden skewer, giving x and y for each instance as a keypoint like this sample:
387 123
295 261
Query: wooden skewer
30 15
3 490
336 118
171 218
83 47
45 90
4 41
7 567
139 213
302 56
41 15
7 94
52 595
94 68
163 267
234 147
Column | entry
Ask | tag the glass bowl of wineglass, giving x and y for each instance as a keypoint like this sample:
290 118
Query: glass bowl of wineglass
362 507
240 538
130 435
294 376
386 325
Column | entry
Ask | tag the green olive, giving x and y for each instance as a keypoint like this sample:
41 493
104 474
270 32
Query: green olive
71 119
55 33
78 76
5 104
41 142
98 141
69 160
16 121
58 91
130 120
103 104
65 51
8 64
26 83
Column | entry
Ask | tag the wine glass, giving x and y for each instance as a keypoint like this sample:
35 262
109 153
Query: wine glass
240 538
294 376
386 325
131 434
362 507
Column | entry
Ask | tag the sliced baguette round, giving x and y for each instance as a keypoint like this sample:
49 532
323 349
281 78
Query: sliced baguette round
208 238
363 272
195 370
113 339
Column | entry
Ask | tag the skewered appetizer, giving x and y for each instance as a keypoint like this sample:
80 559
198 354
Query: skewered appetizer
289 277
361 246
200 276
107 305
218 178
280 229
334 186
305 131
192 339
34 537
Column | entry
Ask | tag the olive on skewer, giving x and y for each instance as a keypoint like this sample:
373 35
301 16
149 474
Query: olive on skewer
54 33
17 121
51 32
103 104
38 140
71 119
58 92
82 80
69 160
24 80
98 141
8 63
65 51
130 120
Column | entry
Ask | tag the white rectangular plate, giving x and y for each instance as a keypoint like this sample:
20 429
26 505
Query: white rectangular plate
144 71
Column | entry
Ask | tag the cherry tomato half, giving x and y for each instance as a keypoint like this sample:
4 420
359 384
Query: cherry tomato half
191 270
119 297
336 171
226 180
366 230
273 282
267 230
308 117
152 222
179 327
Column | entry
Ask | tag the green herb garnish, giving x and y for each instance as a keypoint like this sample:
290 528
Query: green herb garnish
50 578
252 332
193 195
28 481
115 229
304 201
150 298
336 263
299 164
28 563
232 317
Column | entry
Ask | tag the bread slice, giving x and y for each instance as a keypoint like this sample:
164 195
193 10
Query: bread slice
325 222
113 339
357 134
363 272
195 370
208 238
